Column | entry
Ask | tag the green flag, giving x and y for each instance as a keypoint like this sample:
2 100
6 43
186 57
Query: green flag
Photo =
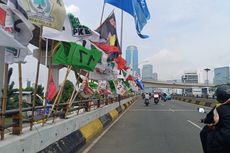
93 85
112 86
77 56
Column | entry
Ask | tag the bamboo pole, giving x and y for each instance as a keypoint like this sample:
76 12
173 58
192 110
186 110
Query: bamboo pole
58 97
4 101
36 81
20 96
74 95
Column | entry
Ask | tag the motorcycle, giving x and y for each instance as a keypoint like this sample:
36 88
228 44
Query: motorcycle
146 102
156 98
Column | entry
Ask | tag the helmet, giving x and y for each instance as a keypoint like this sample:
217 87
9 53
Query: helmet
222 93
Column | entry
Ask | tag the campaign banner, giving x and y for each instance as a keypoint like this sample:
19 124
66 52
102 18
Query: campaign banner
48 13
72 31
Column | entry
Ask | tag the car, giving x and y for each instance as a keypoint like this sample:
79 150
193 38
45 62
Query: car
169 97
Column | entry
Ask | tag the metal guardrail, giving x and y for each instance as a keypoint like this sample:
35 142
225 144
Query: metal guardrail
83 104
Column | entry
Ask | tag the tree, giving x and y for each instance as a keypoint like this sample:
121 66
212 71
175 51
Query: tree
67 91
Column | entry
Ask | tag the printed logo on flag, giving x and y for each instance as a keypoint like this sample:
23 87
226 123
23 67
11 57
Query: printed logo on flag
13 51
49 13
78 30
40 9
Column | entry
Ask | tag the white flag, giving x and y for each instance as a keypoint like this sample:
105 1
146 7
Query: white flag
72 31
15 30
13 55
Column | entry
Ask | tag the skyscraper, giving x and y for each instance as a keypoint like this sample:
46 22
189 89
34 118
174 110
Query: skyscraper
221 75
147 72
132 58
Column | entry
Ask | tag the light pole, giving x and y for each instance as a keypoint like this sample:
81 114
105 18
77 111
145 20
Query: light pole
207 69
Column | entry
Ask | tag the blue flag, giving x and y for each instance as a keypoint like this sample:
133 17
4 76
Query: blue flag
137 8
140 84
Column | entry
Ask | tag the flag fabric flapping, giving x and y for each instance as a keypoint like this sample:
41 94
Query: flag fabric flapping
72 31
120 87
112 86
15 29
108 35
52 89
22 26
77 56
137 8
140 84
121 62
104 70
49 13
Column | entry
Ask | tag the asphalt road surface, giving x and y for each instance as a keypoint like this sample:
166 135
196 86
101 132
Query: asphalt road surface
168 127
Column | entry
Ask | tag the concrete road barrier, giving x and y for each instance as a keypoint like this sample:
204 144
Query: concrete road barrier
91 129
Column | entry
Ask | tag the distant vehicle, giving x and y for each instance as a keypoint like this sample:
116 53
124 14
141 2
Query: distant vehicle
169 97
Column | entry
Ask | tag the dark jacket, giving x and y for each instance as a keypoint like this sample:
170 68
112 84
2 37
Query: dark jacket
218 139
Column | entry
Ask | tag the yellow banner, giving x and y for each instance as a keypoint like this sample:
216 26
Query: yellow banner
49 13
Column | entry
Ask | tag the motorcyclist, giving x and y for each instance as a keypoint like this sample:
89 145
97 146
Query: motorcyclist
215 136
147 96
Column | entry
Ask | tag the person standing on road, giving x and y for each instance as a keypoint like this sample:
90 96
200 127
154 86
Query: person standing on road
215 136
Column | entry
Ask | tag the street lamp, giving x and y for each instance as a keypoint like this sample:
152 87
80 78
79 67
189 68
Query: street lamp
207 69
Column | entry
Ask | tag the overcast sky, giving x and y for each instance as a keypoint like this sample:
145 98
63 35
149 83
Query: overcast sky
185 35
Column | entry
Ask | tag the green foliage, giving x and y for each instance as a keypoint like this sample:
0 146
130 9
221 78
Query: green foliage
67 91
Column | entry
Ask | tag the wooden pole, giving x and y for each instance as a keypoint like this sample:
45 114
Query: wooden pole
74 95
4 100
58 97
20 97
36 81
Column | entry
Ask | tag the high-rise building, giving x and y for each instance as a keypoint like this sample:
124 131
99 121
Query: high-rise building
221 75
147 72
155 76
132 58
191 77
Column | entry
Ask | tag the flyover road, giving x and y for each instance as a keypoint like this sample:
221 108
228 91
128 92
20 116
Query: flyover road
168 127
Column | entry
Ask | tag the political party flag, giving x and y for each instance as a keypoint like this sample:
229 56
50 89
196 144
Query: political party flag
13 55
108 35
72 31
121 62
120 87
23 28
140 84
104 70
137 8
112 86
77 56
48 13
133 86
52 89
15 29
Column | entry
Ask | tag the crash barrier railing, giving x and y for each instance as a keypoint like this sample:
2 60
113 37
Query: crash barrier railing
19 121
199 101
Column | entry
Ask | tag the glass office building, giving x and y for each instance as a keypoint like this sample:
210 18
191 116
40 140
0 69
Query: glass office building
221 75
132 58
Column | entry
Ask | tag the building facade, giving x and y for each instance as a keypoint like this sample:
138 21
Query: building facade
147 72
155 76
221 75
190 78
132 58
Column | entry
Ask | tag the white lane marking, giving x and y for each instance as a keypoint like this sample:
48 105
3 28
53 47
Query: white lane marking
104 132
194 124
162 104
171 110
162 110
